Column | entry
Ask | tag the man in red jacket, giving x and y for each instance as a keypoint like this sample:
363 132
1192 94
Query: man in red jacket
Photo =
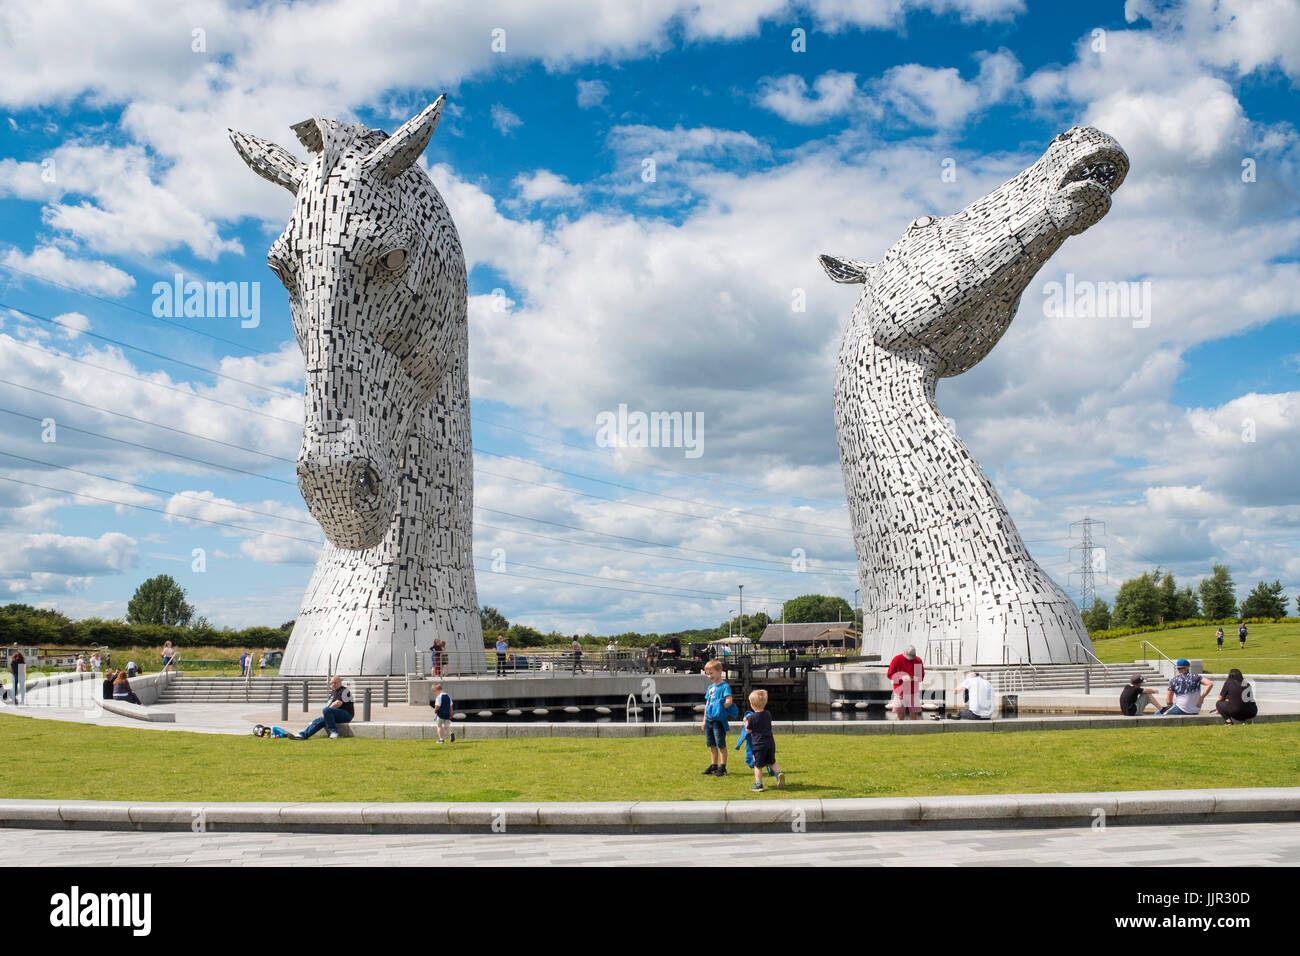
908 673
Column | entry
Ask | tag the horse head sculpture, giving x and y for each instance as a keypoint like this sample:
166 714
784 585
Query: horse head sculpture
938 556
377 288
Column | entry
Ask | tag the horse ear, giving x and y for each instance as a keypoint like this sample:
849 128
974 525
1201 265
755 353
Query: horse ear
845 270
392 157
271 162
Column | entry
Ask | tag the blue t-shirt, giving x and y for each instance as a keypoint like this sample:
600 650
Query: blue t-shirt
715 701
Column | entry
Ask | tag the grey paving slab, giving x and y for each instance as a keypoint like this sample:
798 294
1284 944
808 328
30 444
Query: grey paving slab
1265 844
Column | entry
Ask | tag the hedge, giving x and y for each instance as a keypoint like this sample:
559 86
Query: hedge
92 632
1174 625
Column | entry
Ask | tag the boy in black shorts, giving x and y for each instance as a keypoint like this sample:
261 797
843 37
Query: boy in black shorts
763 743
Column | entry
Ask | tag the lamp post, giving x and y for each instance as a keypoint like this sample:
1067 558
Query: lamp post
742 610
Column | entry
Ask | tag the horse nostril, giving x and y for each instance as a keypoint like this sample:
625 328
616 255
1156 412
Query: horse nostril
367 486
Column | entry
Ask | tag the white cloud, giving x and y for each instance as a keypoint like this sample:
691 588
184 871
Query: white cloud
1249 35
110 553
74 323
835 94
50 262
543 185
591 93
505 120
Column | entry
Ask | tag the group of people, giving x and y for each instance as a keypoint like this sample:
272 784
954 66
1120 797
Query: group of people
758 738
117 686
1241 637
1186 693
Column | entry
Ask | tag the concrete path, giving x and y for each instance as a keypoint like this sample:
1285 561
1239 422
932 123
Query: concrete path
1246 845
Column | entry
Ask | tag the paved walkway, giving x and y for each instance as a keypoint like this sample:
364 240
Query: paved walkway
1247 844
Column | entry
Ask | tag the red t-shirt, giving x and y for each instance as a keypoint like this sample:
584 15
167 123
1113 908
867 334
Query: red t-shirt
900 664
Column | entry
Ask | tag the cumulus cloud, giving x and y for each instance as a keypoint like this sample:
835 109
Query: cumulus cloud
542 185
591 93
834 94
84 275
505 120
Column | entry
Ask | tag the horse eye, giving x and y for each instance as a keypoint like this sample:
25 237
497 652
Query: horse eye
922 221
394 260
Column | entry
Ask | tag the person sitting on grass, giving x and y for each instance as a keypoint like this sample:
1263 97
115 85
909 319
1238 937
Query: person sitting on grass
1237 699
1132 703
1187 691
762 741
717 701
443 711
339 710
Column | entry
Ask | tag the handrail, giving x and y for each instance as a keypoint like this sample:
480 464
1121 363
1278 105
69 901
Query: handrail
1080 647
1145 644
633 712
946 655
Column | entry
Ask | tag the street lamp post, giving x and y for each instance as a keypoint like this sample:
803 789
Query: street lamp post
742 610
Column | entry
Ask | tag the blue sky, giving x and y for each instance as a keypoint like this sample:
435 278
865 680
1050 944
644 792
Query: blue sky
115 174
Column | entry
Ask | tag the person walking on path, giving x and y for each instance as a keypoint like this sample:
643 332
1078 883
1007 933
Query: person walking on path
443 711
502 647
1241 635
18 668
577 655
1186 692
339 710
168 652
1237 699
907 671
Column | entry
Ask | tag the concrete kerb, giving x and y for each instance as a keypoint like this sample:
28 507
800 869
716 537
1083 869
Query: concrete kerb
481 731
1173 807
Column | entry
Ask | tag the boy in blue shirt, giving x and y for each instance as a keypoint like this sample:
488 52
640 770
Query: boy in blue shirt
717 701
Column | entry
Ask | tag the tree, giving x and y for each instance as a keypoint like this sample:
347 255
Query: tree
160 600
1219 594
816 608
492 619
1139 602
1177 605
1265 601
1097 617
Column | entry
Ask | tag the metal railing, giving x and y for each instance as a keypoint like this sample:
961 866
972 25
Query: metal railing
1074 655
944 652
1145 644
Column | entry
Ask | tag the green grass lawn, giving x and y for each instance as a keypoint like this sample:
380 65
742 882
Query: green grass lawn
51 760
1270 648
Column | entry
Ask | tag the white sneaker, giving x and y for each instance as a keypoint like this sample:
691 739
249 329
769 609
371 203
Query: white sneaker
334 736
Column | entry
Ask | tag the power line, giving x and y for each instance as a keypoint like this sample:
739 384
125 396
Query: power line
160 451
160 491
143 421
280 392
633 504
657 466
128 504
508 514
170 388
100 408
128 308
573 474
638 552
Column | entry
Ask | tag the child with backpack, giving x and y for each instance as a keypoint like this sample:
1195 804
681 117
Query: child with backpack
442 710
758 726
